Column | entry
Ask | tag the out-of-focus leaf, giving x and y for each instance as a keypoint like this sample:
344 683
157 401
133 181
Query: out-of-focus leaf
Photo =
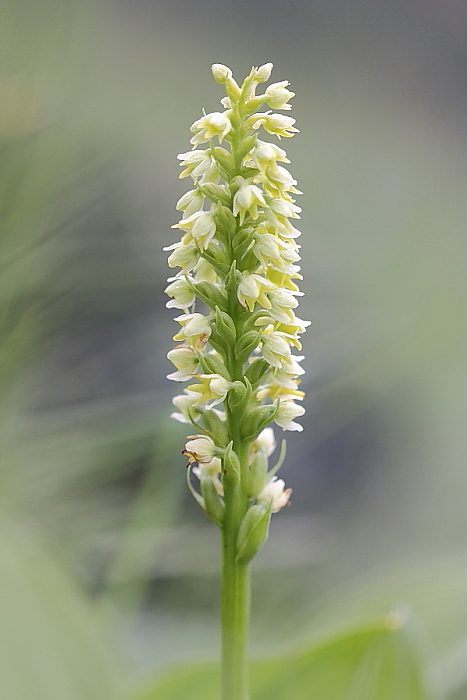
51 647
376 662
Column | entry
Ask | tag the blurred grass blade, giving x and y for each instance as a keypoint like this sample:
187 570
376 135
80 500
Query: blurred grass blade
50 644
376 662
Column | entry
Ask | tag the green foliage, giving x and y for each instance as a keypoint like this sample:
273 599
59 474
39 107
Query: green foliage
376 662
50 641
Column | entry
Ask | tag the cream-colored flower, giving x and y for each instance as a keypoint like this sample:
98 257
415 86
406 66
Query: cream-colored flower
274 391
180 290
282 302
184 255
284 280
291 368
247 199
275 348
252 289
211 387
200 448
265 155
191 202
195 163
210 125
185 360
276 124
284 208
184 402
287 411
263 73
204 272
277 95
201 226
278 182
220 72
274 493
265 441
195 327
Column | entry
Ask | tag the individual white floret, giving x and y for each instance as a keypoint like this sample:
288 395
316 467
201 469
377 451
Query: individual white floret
274 493
200 448
201 226
181 291
247 199
210 125
265 441
184 358
287 412
252 289
184 255
276 124
277 95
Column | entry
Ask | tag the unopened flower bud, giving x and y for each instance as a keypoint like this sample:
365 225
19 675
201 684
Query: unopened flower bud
263 73
220 72
213 505
253 532
231 463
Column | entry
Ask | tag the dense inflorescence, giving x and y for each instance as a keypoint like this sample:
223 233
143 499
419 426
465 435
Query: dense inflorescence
238 256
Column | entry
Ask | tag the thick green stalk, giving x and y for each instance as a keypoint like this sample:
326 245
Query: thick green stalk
235 586
235 613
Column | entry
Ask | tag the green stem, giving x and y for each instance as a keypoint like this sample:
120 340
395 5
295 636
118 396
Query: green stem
235 615
235 586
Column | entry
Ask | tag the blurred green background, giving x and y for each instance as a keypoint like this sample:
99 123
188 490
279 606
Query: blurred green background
108 572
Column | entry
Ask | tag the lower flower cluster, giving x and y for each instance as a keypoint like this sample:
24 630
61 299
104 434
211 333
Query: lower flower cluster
238 256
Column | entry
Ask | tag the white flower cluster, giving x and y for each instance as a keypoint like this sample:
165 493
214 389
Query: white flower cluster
238 255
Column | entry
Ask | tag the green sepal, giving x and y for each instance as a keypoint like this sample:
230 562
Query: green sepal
216 193
257 471
224 160
255 420
239 395
249 262
233 90
213 505
247 320
246 344
210 364
217 344
225 327
236 183
253 532
257 370
218 258
246 145
215 427
232 278
242 240
225 221
231 463
248 172
210 294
